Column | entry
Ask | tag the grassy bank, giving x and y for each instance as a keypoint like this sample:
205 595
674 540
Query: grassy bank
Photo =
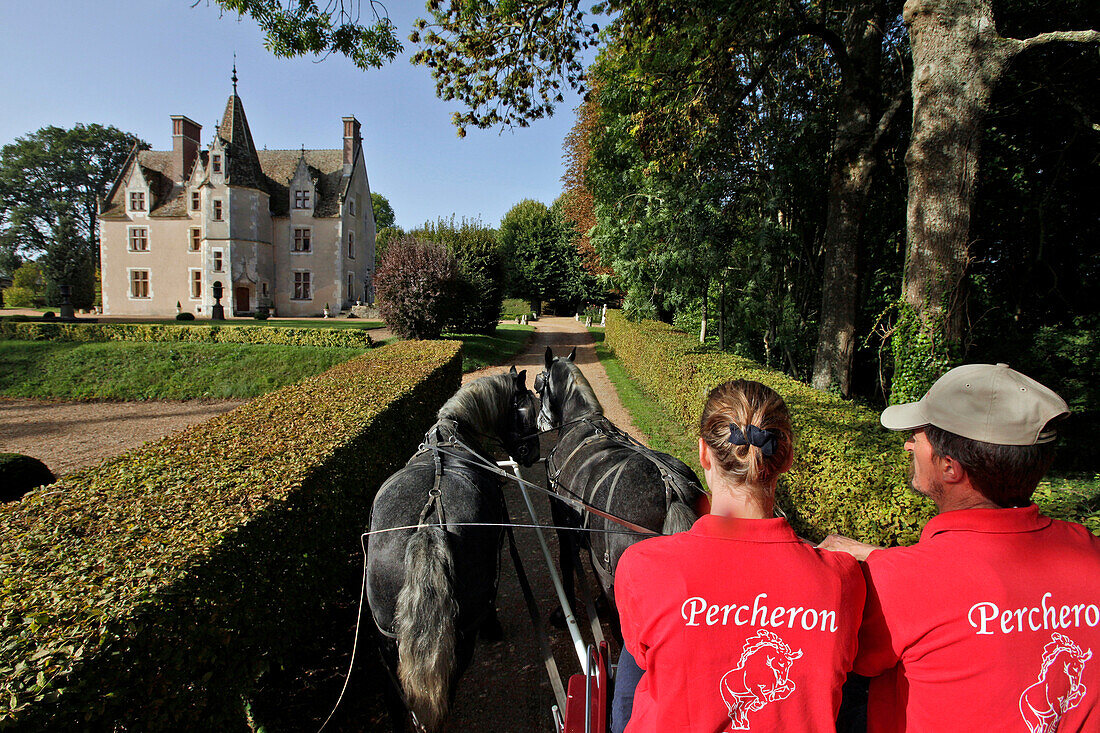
648 415
155 371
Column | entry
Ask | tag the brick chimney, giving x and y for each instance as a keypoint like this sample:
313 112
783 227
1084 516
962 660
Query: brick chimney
185 145
352 141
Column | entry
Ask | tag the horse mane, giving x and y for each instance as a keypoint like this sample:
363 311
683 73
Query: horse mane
762 639
1059 643
479 405
581 390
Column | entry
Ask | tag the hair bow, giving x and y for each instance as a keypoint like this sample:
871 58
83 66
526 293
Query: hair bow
765 440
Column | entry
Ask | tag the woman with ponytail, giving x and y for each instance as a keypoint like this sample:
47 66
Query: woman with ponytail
736 624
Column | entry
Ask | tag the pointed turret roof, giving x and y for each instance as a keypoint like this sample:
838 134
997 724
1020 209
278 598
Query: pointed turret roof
242 166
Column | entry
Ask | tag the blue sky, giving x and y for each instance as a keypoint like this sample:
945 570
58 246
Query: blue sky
133 63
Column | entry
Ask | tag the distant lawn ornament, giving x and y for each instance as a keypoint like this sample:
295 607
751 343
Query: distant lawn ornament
19 474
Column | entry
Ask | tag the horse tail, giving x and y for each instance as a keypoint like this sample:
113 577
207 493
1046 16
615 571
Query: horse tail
679 517
425 624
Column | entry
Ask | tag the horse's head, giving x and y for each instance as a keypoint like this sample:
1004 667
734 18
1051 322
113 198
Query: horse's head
551 386
780 663
521 437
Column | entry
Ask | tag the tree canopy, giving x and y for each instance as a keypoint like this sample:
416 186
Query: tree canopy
383 212
50 184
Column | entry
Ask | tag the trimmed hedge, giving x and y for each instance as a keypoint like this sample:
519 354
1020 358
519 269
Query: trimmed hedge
323 337
849 474
150 592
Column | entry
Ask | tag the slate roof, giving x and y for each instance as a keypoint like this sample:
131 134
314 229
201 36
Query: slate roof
326 168
266 170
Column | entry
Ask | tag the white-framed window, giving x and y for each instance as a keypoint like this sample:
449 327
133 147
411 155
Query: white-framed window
303 286
301 199
351 245
194 242
196 283
196 200
139 284
137 201
303 240
216 164
219 261
139 239
351 286
217 209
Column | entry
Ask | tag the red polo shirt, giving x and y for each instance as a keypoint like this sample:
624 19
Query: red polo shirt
990 622
738 625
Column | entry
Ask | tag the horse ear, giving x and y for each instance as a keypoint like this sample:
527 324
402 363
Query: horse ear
572 354
521 380
548 357
512 371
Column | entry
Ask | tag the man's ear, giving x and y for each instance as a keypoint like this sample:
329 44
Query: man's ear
951 471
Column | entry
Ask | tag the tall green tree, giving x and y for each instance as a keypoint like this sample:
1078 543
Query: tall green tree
383 211
295 28
50 184
540 259
69 262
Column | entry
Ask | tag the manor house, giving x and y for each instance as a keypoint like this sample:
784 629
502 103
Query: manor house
290 230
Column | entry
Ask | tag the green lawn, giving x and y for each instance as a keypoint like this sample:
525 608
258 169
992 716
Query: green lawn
663 432
120 370
481 351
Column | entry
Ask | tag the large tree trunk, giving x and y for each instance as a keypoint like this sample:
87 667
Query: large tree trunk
852 166
958 58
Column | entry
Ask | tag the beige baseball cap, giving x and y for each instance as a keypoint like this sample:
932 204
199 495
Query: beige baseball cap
986 402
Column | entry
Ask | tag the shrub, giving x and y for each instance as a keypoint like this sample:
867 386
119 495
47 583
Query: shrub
149 592
262 313
17 297
89 332
849 474
416 286
19 474
185 316
49 316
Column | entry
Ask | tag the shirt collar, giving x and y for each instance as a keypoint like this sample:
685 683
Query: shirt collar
746 530
989 521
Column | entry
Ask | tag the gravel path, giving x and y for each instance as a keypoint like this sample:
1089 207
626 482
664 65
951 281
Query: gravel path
68 436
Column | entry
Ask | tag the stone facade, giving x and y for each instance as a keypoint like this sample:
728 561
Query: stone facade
291 230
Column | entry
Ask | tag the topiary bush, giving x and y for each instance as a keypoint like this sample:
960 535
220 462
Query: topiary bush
416 287
19 474
185 316
149 593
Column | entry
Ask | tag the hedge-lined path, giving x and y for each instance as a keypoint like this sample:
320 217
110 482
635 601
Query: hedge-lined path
562 334
68 436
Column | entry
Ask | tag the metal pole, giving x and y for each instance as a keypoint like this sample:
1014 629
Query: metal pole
570 620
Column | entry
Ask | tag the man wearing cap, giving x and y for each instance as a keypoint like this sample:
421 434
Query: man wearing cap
992 620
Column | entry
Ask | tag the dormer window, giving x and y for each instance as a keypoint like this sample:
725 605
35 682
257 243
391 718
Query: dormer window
196 200
301 199
137 201
216 164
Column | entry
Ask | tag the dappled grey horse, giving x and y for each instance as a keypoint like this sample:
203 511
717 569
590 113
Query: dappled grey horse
431 585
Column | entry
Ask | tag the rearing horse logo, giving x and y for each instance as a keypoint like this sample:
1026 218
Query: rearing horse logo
1059 688
760 677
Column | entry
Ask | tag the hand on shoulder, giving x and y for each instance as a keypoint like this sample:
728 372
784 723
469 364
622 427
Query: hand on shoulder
855 548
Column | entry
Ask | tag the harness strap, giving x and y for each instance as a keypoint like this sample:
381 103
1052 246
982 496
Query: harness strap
536 623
